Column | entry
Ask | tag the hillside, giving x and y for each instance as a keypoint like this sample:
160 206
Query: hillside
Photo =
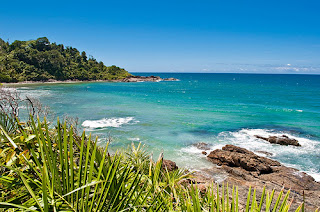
40 60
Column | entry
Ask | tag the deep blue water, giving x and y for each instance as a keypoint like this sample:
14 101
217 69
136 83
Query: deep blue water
214 108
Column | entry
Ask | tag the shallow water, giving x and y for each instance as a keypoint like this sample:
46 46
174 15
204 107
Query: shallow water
217 109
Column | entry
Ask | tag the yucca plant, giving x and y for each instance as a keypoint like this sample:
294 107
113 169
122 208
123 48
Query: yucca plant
56 170
89 180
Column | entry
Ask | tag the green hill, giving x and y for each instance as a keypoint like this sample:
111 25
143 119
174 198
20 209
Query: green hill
40 60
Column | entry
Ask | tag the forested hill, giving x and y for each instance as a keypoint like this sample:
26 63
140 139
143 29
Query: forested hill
40 60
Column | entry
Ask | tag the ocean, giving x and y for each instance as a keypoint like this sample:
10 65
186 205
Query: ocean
217 109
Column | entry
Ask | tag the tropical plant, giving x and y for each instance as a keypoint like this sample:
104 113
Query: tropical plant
54 169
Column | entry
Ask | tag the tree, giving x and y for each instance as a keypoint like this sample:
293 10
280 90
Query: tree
39 59
84 56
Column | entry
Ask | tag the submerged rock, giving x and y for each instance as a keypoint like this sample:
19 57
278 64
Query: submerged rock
202 146
265 153
281 140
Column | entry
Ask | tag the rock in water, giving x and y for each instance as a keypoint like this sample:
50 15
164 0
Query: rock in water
146 79
244 169
202 146
282 140
234 156
248 166
170 165
265 153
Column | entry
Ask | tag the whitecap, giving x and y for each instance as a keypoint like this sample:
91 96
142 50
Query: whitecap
106 122
246 138
192 150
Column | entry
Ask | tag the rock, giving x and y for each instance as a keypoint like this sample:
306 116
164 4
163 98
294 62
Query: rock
202 146
146 79
186 182
244 169
281 140
265 153
169 165
248 166
204 152
234 156
170 79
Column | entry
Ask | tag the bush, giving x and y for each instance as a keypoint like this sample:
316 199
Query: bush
54 169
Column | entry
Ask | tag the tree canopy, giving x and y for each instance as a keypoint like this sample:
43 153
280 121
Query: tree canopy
40 60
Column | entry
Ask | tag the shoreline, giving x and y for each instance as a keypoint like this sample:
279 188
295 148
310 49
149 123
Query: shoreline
14 84
236 166
127 79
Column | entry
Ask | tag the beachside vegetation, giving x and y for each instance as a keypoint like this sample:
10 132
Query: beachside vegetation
53 168
41 60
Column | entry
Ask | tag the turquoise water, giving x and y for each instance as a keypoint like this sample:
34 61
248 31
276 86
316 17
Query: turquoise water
217 109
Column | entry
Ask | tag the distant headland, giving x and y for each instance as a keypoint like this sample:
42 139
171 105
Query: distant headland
37 61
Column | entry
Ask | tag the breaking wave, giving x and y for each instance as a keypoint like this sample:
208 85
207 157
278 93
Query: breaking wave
302 158
106 122
246 138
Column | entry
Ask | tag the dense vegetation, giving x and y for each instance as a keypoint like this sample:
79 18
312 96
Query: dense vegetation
52 168
40 60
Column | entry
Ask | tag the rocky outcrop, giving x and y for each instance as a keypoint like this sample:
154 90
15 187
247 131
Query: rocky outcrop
169 165
147 79
282 140
244 168
234 156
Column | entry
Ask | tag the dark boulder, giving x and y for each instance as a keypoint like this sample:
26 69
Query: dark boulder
247 166
234 156
169 165
281 140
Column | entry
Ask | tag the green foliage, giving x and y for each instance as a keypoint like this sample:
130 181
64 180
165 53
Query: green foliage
54 169
40 60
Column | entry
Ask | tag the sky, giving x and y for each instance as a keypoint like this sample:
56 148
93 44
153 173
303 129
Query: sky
225 36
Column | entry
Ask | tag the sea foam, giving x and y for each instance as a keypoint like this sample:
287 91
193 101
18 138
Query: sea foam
246 138
291 156
106 122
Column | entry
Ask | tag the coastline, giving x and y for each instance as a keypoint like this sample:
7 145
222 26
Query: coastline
236 166
127 79
205 177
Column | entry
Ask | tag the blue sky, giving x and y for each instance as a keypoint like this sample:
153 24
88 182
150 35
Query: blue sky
177 36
